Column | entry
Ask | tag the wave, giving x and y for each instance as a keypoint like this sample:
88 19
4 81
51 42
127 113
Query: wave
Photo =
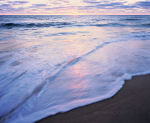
30 25
130 19
123 25
66 24
111 24
146 25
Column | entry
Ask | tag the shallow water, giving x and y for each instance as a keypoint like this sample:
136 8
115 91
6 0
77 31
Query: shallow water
51 64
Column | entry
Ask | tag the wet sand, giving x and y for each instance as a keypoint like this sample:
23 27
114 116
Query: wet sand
130 105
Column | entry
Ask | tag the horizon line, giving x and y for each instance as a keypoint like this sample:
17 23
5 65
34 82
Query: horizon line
74 15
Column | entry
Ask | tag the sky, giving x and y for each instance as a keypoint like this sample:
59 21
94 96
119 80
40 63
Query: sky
75 7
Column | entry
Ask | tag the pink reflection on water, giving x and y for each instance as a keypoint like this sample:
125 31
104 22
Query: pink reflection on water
79 83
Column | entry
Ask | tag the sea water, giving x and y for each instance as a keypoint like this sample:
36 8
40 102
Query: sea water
51 64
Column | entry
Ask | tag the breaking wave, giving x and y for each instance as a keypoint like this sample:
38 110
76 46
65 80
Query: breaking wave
67 24
30 25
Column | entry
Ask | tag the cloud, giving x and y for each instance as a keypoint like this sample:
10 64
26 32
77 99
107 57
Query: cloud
91 1
73 6
9 7
112 5
54 8
108 5
17 2
4 5
37 5
144 4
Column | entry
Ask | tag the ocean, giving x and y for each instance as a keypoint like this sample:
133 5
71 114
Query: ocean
55 63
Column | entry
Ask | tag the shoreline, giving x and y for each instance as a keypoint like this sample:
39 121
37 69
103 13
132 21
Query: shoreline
129 105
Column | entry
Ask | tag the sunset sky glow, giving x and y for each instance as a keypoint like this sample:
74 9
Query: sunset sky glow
75 7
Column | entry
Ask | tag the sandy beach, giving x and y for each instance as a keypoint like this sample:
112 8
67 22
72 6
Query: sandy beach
129 105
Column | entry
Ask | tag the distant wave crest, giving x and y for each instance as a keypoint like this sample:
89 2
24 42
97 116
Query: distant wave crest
131 19
29 25
110 24
146 24
66 24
